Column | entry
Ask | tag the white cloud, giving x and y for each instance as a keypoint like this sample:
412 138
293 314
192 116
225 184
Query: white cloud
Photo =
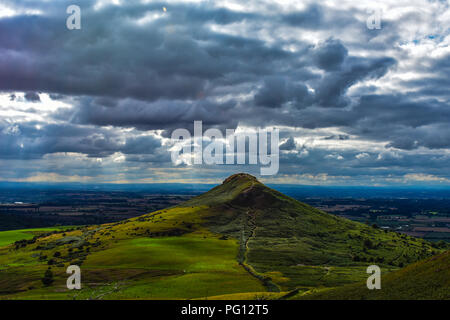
424 178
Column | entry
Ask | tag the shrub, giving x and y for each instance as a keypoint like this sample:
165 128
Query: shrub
368 244
48 277
441 244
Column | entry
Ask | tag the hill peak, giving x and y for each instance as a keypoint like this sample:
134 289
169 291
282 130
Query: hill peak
240 177
231 188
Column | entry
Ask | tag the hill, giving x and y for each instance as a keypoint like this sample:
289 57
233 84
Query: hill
239 237
428 279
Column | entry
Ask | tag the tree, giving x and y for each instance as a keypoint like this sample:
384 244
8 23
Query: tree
441 244
48 277
368 244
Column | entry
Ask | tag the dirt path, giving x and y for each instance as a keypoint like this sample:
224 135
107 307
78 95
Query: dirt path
266 282
252 222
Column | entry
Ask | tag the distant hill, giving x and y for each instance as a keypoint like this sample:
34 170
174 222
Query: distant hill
241 238
428 279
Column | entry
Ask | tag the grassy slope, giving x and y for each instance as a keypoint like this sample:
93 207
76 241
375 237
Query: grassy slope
297 245
428 279
193 250
8 237
165 254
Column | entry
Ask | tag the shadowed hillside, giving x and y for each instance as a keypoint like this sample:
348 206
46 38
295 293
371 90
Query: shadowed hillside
296 244
240 239
428 279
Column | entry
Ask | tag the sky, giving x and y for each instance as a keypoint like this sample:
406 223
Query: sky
354 105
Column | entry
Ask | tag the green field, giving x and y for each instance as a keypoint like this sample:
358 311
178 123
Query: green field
183 267
11 236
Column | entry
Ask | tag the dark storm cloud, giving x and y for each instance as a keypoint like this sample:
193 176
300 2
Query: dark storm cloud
333 88
185 66
331 54
310 18
339 137
276 91
355 163
273 92
289 144
163 114
436 83
219 15
32 97
26 141
140 145
406 123
400 110
174 57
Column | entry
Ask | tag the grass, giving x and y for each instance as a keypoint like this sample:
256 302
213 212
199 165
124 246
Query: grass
11 236
194 250
188 253
247 296
426 280
306 246
185 267
189 286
